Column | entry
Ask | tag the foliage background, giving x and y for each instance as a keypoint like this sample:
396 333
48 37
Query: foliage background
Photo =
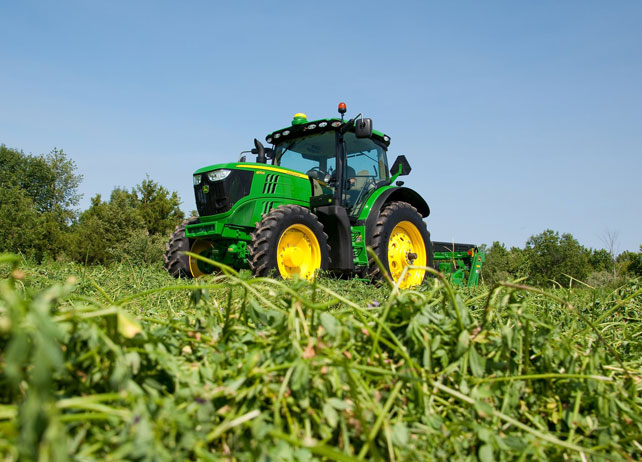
38 219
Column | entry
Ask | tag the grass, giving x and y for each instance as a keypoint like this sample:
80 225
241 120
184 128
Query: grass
126 363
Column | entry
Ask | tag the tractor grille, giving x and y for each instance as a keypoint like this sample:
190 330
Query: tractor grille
271 180
222 195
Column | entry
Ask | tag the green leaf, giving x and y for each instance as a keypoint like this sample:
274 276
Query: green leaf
484 434
300 376
331 415
477 362
8 411
303 455
233 385
436 341
330 324
282 451
128 327
133 361
463 310
435 421
462 343
486 453
483 408
400 434
515 443
338 403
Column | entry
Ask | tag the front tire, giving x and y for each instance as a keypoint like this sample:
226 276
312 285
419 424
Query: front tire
289 241
400 238
177 263
197 267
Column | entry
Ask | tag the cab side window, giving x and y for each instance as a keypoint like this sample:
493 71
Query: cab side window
366 167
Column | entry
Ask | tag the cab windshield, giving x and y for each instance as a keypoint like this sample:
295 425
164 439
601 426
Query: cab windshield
314 155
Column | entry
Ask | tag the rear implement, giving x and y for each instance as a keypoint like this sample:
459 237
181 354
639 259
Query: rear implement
462 263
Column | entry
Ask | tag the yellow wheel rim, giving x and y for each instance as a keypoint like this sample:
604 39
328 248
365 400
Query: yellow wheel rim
298 252
406 247
197 267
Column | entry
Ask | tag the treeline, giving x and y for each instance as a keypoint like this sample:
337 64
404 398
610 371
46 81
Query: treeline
550 259
39 219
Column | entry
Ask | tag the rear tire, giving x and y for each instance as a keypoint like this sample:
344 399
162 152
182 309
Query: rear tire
289 240
400 238
177 263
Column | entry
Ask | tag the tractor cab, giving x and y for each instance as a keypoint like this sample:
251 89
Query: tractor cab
345 161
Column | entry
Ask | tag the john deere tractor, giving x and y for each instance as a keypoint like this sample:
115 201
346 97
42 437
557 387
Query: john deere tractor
313 200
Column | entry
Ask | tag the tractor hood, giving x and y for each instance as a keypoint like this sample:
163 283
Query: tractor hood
217 188
248 166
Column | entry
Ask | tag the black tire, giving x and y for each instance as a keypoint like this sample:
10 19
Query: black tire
390 216
263 250
176 263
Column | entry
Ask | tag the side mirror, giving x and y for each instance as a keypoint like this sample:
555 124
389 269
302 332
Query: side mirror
400 163
363 128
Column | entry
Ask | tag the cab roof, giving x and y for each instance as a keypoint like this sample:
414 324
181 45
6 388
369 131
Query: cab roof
300 127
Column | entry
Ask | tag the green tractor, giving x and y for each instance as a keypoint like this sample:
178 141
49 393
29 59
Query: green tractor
312 201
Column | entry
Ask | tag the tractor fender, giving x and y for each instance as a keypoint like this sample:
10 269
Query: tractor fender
408 195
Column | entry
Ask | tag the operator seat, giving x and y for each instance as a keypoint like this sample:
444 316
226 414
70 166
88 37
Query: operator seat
361 179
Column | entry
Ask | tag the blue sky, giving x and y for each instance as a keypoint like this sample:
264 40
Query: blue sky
515 116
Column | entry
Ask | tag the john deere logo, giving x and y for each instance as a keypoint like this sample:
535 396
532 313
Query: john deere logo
206 189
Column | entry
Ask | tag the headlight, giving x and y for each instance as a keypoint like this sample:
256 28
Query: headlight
218 175
197 179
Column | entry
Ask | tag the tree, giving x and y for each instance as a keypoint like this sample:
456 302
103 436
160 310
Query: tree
610 240
103 227
630 263
552 257
48 180
159 209
39 194
600 259
37 216
495 268
61 193
636 263
132 225
19 222
502 264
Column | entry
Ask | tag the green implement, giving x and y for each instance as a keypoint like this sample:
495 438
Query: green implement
462 263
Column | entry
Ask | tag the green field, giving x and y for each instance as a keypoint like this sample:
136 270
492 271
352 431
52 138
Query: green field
126 363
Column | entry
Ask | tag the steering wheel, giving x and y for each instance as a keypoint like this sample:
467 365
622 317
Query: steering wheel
316 172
